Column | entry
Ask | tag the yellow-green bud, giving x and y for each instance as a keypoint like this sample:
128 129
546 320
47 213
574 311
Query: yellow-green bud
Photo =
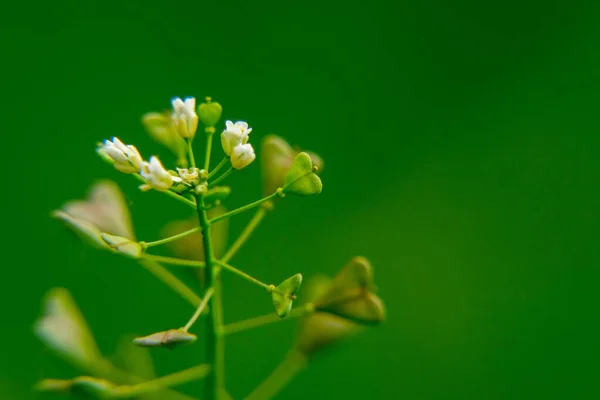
210 112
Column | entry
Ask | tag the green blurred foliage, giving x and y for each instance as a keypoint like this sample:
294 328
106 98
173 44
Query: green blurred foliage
461 148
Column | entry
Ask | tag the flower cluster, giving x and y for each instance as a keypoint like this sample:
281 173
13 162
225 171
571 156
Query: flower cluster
335 310
184 122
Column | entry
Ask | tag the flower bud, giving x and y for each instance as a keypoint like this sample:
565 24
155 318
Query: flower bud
242 156
201 189
123 246
170 339
157 177
126 158
184 117
234 135
189 176
210 112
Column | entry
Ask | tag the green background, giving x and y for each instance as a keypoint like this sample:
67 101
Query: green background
461 147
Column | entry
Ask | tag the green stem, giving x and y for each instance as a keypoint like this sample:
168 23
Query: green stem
106 369
171 238
191 153
154 385
244 208
218 167
254 222
201 307
291 365
263 320
219 179
209 137
211 278
244 275
174 261
170 280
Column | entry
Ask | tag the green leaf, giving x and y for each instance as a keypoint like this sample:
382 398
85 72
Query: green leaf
169 339
302 179
285 294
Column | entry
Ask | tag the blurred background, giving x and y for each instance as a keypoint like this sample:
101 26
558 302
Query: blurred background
461 146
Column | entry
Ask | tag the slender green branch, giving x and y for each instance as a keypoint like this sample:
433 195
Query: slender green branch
209 137
220 178
254 222
106 369
218 167
174 261
154 385
170 280
171 238
283 374
191 153
263 320
207 295
244 208
244 275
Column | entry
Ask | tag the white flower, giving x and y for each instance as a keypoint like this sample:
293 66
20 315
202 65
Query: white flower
126 159
185 117
233 135
189 175
242 155
157 177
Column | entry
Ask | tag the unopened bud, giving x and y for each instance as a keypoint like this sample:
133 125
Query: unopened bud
184 117
210 112
169 339
123 246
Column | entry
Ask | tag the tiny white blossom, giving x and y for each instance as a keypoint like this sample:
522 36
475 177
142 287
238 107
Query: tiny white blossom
126 158
189 175
242 155
233 135
157 177
185 117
